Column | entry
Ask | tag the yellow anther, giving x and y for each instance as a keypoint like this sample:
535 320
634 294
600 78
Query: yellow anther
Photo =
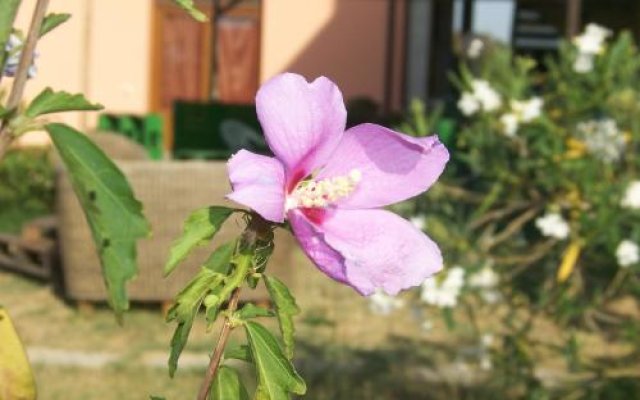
322 193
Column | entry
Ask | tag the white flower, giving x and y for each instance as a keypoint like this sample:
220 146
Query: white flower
592 40
486 278
603 139
583 63
468 104
419 222
510 124
528 110
445 293
631 197
627 253
486 95
553 225
383 304
475 48
589 44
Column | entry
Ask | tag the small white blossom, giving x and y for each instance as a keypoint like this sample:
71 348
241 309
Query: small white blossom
589 44
583 63
486 95
510 124
468 104
603 139
383 304
528 110
627 253
484 279
419 222
592 40
475 48
445 293
553 225
13 49
631 197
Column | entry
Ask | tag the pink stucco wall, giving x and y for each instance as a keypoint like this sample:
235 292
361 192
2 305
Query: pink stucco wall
344 40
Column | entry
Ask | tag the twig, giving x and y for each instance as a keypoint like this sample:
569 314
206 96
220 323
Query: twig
217 353
513 227
19 82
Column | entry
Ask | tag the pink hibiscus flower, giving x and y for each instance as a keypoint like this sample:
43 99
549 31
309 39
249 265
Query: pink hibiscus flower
330 185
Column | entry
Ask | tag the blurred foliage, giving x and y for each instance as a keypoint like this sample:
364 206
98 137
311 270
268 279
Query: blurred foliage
26 187
562 142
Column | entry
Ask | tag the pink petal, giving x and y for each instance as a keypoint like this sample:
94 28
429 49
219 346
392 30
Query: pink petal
368 249
312 242
303 122
258 183
394 166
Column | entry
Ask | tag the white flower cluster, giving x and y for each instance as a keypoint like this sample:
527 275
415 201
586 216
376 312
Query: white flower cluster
627 253
486 280
522 111
445 293
475 48
383 304
481 98
631 197
589 44
13 48
603 139
553 225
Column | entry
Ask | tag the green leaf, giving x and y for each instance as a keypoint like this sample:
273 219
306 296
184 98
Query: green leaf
220 260
8 13
276 375
186 308
189 7
52 21
250 310
238 352
286 308
228 386
49 101
199 227
113 213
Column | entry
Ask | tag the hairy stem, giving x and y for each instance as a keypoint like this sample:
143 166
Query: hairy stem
19 82
214 363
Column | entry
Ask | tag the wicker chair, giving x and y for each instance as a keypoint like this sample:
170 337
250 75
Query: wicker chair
169 191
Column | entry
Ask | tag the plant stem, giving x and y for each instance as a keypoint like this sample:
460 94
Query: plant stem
19 82
256 230
217 353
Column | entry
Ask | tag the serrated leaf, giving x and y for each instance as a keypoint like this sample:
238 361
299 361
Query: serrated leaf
238 352
286 308
220 260
52 21
276 375
112 211
228 386
199 227
49 101
250 310
189 7
16 377
185 310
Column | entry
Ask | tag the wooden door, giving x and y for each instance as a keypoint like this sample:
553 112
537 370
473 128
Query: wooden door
237 51
181 60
